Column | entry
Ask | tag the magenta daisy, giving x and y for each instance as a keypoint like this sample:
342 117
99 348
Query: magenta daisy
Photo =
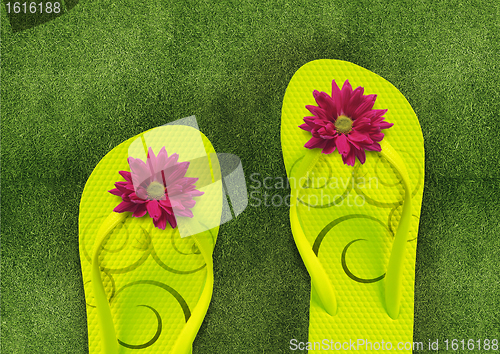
157 187
346 121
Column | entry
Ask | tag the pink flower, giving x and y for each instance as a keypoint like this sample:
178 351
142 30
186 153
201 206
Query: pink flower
346 121
157 187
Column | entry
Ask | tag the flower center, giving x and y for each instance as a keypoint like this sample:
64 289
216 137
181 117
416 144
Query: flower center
155 190
343 124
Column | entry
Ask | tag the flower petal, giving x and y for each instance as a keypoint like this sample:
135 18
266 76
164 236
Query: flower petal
123 187
315 143
327 103
345 94
125 206
127 175
161 222
350 158
196 193
343 145
377 137
171 175
361 155
355 136
165 204
172 160
330 147
318 112
140 211
136 199
373 147
305 127
326 132
115 192
153 209
161 160
385 125
355 100
172 221
364 107
337 97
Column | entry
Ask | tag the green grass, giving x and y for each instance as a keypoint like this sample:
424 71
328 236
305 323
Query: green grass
75 87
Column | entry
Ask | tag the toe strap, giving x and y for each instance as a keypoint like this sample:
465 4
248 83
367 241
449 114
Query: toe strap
107 328
184 343
394 274
319 278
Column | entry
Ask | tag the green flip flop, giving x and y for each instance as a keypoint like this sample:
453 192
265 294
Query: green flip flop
146 247
357 184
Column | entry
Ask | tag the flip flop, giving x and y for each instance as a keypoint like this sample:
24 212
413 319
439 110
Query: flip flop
146 239
357 184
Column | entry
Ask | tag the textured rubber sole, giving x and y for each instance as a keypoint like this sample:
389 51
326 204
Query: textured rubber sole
350 214
153 278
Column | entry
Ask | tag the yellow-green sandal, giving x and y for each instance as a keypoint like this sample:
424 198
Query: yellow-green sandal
148 277
357 185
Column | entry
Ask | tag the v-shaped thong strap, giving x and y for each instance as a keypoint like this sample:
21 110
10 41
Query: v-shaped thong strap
107 328
394 273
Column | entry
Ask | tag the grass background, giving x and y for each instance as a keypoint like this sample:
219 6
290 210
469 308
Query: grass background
75 87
